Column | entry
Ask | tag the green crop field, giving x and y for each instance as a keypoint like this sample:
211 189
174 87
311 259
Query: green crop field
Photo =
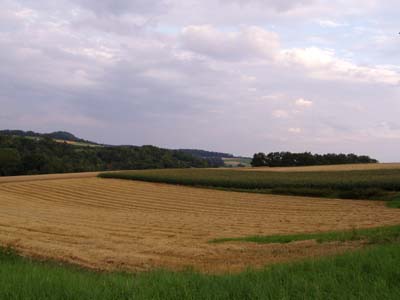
364 184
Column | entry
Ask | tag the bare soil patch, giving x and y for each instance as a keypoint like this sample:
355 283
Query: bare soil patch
116 224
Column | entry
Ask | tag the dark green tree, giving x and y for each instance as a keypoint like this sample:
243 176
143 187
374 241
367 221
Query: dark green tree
259 160
10 161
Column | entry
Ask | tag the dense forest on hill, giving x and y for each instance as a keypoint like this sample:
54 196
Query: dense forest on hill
24 156
288 159
57 135
215 159
204 153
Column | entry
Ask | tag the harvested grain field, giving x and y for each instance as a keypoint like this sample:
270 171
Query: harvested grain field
327 168
116 224
24 178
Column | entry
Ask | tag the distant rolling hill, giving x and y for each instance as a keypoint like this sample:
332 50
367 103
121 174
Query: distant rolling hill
28 152
204 153
59 136
219 159
39 154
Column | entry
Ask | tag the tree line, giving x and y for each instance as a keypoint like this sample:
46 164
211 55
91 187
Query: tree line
289 159
25 156
215 159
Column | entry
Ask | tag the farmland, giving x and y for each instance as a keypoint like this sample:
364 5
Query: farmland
75 233
24 178
372 183
121 224
237 161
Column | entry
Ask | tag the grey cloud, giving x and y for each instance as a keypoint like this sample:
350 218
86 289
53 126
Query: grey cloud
261 12
277 5
127 25
120 7
101 7
249 43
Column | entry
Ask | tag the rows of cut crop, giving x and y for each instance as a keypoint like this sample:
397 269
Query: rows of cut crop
97 222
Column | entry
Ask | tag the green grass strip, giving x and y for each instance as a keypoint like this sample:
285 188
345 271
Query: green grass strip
368 274
395 202
373 235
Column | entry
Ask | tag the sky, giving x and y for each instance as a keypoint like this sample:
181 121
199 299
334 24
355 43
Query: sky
238 76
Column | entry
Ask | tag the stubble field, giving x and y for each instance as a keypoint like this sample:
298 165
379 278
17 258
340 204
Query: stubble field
116 224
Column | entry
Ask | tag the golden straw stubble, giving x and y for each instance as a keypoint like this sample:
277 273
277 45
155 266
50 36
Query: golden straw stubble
119 224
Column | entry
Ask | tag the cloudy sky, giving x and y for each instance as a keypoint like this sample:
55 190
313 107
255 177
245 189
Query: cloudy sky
238 76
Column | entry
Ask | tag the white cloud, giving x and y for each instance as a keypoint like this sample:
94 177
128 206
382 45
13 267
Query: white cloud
325 65
303 102
254 43
295 130
280 114
330 23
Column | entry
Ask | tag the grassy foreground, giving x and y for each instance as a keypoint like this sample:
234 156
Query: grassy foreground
372 235
367 274
366 184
